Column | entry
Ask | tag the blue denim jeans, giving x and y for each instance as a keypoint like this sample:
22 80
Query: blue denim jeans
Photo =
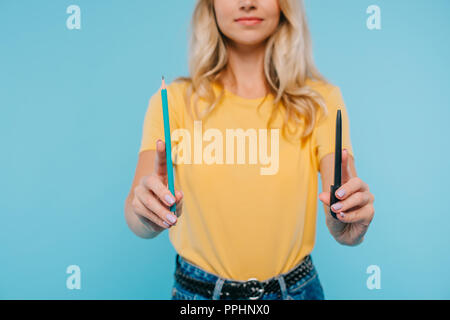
307 288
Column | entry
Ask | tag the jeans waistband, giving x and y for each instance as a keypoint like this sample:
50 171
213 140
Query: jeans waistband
194 271
200 274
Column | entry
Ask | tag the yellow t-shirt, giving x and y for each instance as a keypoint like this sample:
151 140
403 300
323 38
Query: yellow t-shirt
251 214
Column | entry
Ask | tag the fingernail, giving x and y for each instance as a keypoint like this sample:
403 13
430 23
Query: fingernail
337 206
340 193
171 218
342 214
169 199
166 224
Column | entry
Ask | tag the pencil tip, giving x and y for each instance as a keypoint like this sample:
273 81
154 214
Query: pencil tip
163 84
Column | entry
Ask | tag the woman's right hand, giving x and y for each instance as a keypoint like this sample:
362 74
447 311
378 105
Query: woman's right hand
152 198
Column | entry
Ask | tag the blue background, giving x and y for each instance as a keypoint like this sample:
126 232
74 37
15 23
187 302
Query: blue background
72 107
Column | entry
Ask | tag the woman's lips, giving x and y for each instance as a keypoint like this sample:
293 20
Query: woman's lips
249 21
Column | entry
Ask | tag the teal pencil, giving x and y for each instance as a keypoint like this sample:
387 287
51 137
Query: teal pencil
165 107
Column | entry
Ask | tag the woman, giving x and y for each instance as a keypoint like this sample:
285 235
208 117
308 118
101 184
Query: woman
245 228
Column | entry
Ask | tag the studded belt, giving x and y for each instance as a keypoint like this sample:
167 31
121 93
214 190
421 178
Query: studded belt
251 289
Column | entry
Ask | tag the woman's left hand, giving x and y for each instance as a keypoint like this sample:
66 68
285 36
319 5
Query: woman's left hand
355 209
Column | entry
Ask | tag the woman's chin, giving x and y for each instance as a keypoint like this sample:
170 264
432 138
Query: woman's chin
249 42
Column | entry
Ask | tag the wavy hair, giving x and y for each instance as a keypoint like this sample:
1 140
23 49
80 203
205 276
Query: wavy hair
288 63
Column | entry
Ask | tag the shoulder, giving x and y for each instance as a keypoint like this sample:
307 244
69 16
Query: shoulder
325 89
178 87
331 95
332 98
175 89
175 95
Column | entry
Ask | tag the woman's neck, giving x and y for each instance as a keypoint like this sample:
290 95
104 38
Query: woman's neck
244 74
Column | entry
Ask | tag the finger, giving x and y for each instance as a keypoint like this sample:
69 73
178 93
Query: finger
155 184
363 215
325 197
160 160
146 216
347 174
151 202
351 186
354 201
179 196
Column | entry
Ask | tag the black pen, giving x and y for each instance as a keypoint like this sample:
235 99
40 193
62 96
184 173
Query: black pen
337 162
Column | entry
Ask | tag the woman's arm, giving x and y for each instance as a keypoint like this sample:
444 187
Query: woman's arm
357 202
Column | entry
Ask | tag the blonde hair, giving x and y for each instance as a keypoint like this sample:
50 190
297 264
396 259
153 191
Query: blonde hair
288 63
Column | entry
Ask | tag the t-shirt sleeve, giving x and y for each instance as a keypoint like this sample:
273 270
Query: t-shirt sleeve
325 131
153 126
